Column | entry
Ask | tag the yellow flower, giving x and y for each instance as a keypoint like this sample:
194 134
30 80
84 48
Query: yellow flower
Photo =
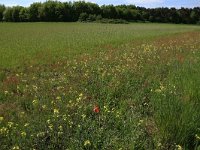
10 124
23 134
22 114
179 147
158 91
162 88
35 102
44 106
40 134
3 130
1 119
81 95
48 121
56 111
197 137
16 148
58 98
51 127
83 116
140 122
87 143
60 128
60 133
26 124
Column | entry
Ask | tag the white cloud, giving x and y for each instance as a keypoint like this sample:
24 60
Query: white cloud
144 1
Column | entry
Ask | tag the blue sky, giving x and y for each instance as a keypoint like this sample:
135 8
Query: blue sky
145 3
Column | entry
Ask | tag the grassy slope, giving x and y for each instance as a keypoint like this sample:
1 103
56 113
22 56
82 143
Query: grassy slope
148 96
35 43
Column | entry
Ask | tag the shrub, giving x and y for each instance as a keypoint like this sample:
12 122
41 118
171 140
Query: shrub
83 17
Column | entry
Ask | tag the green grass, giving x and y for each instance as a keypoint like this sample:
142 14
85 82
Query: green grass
36 43
145 84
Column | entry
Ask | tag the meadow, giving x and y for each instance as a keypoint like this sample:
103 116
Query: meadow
99 86
36 43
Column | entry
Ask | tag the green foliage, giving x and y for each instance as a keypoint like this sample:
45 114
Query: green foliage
71 11
24 15
7 15
34 11
83 17
16 13
91 18
2 9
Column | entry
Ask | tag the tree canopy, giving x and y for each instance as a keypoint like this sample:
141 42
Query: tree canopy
83 11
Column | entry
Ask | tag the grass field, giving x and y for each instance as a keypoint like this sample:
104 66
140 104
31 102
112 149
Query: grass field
36 43
99 86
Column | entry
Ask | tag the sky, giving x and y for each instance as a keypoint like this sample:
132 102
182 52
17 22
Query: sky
143 3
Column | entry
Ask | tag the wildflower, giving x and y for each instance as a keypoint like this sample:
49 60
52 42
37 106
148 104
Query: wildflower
83 116
44 106
35 102
96 109
140 122
3 130
52 102
1 119
40 134
48 121
81 95
158 91
26 124
22 114
10 124
64 117
179 147
58 98
87 143
162 88
23 134
35 87
56 111
118 114
16 148
197 137
60 133
159 144
60 128
51 127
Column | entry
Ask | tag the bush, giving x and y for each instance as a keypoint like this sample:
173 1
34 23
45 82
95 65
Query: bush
91 18
99 17
83 17
113 21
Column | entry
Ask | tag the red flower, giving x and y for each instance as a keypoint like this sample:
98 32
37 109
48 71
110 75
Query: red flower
96 109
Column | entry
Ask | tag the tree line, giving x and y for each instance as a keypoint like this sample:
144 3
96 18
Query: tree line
55 11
